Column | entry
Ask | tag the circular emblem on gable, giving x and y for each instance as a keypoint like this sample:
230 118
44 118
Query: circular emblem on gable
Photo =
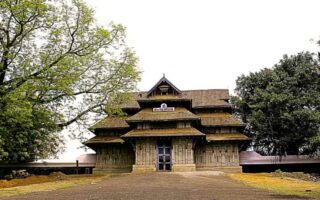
163 105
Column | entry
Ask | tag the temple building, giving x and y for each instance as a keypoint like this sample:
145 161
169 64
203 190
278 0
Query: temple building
166 129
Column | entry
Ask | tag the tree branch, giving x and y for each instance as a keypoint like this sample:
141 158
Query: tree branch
79 116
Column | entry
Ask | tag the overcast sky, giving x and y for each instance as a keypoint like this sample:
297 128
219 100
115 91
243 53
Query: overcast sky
207 44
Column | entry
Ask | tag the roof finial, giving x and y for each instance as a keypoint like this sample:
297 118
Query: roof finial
164 75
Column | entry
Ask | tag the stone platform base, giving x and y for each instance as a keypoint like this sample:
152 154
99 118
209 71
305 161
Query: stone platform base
183 167
111 170
223 169
143 168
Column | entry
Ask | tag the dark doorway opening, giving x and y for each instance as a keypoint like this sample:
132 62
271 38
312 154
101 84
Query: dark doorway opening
164 155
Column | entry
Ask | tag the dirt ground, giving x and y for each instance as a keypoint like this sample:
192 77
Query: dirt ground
159 186
56 176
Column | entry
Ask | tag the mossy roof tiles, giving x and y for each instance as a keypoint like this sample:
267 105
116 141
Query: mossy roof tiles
163 132
219 119
104 140
112 122
200 98
147 114
226 137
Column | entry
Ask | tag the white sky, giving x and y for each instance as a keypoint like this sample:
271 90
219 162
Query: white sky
202 44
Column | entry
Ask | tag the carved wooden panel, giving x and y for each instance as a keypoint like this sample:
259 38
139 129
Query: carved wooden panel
182 152
217 155
146 152
114 156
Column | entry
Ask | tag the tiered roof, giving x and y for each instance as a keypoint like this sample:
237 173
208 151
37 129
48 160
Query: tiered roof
197 101
147 114
219 119
163 132
111 122
226 137
213 98
104 140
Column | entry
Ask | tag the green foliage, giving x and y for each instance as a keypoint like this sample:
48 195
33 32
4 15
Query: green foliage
113 106
27 133
57 67
282 105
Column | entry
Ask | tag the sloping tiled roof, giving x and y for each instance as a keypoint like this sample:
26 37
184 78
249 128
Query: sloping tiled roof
133 103
163 132
254 158
200 98
219 119
104 140
113 122
226 137
208 98
161 97
147 114
166 98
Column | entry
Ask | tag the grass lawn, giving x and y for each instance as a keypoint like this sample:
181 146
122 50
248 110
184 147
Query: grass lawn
281 185
44 183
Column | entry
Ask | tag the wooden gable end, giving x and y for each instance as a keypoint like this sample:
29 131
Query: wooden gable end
163 87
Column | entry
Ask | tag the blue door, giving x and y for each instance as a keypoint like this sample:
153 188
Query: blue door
164 156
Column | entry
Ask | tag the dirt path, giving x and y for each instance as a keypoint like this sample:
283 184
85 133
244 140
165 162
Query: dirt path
159 186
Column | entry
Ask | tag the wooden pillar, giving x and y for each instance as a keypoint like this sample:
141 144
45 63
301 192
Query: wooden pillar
182 157
145 155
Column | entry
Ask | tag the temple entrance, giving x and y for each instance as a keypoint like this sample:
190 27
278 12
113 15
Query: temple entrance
164 155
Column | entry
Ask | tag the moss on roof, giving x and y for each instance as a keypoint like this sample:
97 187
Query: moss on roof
147 114
165 97
163 132
104 140
111 122
219 119
200 98
226 137
180 114
208 98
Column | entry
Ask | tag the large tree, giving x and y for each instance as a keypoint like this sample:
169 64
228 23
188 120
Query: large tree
57 67
282 105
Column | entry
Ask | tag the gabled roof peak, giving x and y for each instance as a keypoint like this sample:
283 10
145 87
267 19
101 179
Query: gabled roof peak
160 82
